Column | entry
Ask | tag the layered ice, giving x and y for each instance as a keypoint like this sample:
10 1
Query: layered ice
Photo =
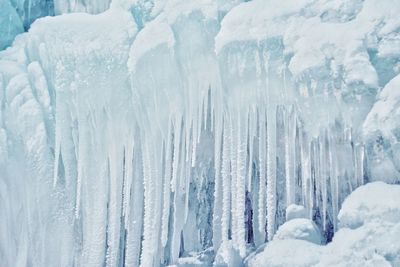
10 24
189 132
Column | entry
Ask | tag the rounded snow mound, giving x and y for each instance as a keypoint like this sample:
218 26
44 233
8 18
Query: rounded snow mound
285 253
227 255
294 211
373 201
303 229
369 235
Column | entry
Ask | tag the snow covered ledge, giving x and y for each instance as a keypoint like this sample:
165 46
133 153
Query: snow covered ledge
369 235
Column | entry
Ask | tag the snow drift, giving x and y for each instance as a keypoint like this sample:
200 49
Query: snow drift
369 235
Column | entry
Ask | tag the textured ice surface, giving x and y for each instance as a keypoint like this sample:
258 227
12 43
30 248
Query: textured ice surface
10 24
294 211
370 202
289 252
302 229
369 235
382 132
188 132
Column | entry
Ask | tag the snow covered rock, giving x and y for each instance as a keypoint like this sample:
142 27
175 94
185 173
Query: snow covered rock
294 211
227 256
369 235
373 244
382 133
196 259
373 201
284 253
302 229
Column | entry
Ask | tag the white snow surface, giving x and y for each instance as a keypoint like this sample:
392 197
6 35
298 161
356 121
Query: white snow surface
384 115
381 130
169 132
369 234
302 229
294 211
288 252
370 202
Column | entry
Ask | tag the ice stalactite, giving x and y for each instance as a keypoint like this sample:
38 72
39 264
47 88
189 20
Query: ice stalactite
262 156
166 139
226 180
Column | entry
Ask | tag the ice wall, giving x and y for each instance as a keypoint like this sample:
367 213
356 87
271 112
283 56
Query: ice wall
158 129
10 24
16 16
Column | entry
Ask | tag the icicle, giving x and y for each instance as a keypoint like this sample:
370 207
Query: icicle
323 176
186 186
361 165
128 162
178 201
271 170
250 147
262 150
167 182
289 158
158 204
333 179
146 258
240 206
175 160
306 174
114 204
233 189
134 234
57 155
226 180
317 172
218 199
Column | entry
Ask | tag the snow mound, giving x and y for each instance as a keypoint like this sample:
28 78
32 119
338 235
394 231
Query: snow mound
369 235
373 244
284 253
385 114
156 33
227 255
295 211
374 201
381 130
303 229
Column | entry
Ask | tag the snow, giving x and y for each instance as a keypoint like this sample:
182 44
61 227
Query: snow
289 252
156 33
381 129
294 211
382 116
256 20
87 6
227 255
303 26
368 236
189 133
301 229
374 200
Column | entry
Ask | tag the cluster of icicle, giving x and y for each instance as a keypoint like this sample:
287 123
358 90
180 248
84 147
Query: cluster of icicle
233 181
179 153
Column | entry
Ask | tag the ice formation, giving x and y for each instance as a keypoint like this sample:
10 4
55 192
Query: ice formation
368 235
187 132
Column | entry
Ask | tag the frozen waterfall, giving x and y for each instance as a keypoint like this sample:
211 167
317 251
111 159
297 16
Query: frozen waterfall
158 130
